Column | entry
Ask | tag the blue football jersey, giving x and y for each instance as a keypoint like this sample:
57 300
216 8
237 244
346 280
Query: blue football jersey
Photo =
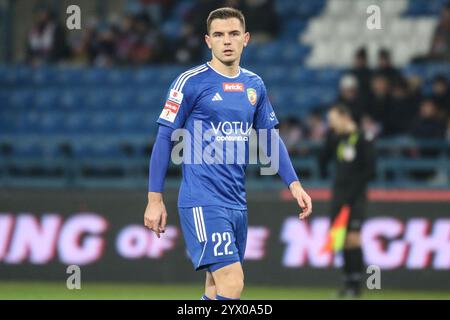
201 101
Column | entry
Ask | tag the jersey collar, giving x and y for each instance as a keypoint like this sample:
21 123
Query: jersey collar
233 77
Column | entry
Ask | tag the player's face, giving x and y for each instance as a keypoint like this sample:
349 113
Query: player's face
227 39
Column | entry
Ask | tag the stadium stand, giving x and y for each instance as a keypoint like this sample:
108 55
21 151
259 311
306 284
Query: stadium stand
66 124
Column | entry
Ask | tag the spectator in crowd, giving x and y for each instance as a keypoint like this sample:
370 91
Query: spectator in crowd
447 134
316 128
102 47
261 19
385 66
147 45
46 41
291 133
440 45
126 37
429 124
415 84
349 95
157 10
401 111
380 100
80 44
441 94
362 72
188 48
371 128
198 13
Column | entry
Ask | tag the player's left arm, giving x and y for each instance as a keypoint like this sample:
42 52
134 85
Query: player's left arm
287 173
265 119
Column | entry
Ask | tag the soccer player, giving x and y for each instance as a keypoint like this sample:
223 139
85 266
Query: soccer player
221 97
354 157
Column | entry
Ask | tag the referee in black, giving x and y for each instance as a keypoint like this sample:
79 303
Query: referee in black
354 159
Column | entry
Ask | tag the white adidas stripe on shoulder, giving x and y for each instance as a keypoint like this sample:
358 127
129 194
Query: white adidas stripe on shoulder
181 79
190 76
181 76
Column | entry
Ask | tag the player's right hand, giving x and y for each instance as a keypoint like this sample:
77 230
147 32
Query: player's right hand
155 217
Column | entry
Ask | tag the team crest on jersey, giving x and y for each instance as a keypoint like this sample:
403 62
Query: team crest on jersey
175 96
251 94
170 111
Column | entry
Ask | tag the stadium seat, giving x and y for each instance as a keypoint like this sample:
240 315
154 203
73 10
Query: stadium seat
119 76
123 98
27 149
130 122
98 99
48 122
43 76
95 76
102 122
46 98
76 122
150 98
268 52
70 76
70 99
21 99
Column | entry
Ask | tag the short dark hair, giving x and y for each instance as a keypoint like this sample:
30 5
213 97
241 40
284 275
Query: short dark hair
224 13
384 53
361 53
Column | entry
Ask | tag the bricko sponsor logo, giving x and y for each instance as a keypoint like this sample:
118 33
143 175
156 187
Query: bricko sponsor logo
233 87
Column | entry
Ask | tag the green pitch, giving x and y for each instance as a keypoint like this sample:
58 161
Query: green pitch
54 290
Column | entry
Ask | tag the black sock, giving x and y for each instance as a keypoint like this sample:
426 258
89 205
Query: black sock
353 268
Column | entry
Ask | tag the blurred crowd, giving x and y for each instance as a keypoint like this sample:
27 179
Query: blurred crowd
149 32
382 100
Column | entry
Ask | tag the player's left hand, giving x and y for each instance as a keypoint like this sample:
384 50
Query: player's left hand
303 199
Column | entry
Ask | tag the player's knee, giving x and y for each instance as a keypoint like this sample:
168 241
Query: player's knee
229 280
231 284
353 239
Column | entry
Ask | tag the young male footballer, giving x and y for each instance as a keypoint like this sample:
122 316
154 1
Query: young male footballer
227 101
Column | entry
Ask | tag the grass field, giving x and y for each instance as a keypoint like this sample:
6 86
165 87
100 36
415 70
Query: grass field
53 290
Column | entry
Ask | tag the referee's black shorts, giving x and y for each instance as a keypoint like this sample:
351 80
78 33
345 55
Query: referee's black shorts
357 210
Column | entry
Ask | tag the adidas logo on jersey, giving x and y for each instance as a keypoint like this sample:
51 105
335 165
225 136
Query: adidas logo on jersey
217 97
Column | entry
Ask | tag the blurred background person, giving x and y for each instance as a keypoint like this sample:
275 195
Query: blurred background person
354 159
350 96
362 72
440 44
385 66
46 42
429 124
380 99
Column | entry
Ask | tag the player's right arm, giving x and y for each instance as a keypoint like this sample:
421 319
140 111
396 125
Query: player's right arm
155 217
176 110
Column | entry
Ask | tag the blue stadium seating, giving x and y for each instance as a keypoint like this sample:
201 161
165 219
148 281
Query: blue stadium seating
21 99
425 7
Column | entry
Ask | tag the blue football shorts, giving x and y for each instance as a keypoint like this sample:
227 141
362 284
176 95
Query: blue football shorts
215 236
